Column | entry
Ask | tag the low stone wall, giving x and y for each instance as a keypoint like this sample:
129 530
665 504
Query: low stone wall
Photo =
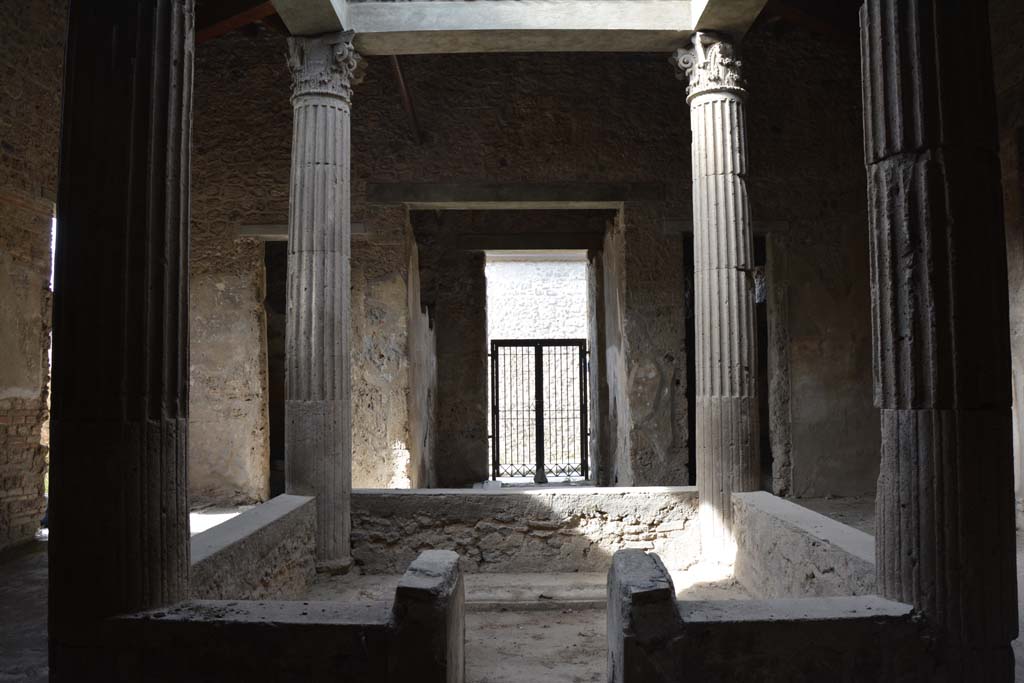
787 551
652 638
418 637
532 530
265 552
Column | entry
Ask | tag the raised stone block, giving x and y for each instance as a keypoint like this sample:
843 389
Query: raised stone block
429 621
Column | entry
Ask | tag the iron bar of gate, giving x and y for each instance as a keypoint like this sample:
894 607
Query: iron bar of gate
538 398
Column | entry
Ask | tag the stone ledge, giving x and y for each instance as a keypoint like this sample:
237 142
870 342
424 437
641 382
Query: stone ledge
265 552
787 551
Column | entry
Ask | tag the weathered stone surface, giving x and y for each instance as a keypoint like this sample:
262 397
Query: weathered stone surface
229 640
267 552
942 376
419 636
550 530
30 94
318 411
430 621
728 434
784 550
120 361
652 638
642 616
235 183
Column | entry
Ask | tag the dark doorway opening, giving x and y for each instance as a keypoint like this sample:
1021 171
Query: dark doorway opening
275 257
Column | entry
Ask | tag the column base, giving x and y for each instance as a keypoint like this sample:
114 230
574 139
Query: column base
334 567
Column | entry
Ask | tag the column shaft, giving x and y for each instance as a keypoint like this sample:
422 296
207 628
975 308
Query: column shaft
318 434
119 514
726 390
944 530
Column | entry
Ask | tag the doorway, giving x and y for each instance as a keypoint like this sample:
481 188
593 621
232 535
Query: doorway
538 328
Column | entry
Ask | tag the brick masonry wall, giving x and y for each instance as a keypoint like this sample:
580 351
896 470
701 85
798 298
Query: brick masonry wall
31 63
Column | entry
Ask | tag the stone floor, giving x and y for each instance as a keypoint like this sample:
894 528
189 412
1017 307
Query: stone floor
533 627
539 640
23 575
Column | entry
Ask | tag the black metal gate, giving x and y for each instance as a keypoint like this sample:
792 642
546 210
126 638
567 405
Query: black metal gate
539 408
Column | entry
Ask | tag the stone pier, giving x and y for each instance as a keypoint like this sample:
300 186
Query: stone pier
119 516
318 435
727 419
945 516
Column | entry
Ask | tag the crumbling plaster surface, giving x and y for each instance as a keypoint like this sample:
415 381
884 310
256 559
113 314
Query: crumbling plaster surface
31 68
539 530
1007 18
380 365
235 182
422 397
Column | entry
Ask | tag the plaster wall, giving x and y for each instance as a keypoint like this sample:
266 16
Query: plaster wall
422 396
234 183
381 455
808 196
1007 18
31 71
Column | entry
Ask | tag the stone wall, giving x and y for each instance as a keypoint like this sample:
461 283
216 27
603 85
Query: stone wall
31 71
538 530
454 286
536 299
1007 17
654 342
787 551
808 193
380 363
265 553
422 398
527 118
235 182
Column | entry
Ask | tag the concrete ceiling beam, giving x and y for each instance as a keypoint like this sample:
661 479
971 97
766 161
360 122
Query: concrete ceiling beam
729 17
312 17
397 28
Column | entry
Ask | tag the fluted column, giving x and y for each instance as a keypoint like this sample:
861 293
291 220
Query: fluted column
119 512
727 418
318 430
945 516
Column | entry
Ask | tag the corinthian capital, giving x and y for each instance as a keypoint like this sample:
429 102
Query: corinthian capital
324 65
710 65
